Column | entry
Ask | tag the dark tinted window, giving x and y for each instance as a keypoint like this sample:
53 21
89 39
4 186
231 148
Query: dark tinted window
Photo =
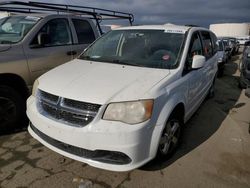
84 31
57 33
207 44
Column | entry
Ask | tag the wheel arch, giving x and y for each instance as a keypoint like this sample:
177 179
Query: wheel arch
170 108
16 82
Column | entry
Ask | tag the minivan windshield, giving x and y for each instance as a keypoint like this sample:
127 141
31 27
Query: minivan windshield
14 28
145 48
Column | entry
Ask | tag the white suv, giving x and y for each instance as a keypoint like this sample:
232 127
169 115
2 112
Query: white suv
124 100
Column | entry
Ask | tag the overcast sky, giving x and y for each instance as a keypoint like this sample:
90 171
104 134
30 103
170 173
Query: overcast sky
198 12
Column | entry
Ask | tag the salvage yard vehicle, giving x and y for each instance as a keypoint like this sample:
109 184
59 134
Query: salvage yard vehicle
228 46
222 58
125 99
40 37
244 81
235 45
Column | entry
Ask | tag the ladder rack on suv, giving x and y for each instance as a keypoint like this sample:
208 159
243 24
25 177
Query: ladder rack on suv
97 14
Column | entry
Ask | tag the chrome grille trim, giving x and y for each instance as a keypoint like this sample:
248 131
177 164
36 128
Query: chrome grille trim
71 112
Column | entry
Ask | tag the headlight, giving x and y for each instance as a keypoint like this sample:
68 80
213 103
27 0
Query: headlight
129 112
34 89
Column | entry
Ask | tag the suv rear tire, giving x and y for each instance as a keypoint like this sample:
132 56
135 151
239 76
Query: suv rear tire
12 109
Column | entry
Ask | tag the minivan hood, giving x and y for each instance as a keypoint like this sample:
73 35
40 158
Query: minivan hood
100 83
4 47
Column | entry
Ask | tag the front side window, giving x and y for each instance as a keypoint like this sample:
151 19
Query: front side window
146 48
55 33
14 28
195 48
207 44
84 31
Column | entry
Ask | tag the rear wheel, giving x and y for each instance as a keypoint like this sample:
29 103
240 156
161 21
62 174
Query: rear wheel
170 139
12 109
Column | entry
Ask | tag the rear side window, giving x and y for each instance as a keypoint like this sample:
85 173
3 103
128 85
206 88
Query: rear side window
207 44
84 31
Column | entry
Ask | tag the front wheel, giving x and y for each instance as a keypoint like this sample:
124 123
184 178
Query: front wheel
170 139
12 109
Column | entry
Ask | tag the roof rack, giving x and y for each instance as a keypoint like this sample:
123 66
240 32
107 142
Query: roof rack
97 14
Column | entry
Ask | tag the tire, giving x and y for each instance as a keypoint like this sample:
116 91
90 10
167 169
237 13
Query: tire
220 71
170 139
12 109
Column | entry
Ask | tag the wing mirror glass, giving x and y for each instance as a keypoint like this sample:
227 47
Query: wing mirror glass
198 61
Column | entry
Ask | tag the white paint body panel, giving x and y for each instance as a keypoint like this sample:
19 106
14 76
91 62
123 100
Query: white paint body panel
103 83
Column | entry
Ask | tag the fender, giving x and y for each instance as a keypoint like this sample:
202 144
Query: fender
168 108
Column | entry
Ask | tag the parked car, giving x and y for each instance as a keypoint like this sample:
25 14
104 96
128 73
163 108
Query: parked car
222 58
32 44
125 99
242 40
235 45
244 81
246 45
228 46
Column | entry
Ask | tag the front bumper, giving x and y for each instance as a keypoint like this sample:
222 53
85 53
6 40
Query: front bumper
103 144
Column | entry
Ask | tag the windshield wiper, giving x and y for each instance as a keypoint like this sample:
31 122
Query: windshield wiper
84 57
125 63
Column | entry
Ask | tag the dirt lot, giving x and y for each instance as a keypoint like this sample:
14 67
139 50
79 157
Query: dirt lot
214 153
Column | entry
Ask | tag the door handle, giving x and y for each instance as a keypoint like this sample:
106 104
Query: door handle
71 53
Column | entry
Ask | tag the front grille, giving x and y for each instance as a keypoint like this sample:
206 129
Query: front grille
110 157
67 111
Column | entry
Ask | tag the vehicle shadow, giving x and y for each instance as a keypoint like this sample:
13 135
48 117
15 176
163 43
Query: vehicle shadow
14 131
208 118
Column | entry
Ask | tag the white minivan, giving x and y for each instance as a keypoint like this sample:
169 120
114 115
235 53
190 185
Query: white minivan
125 99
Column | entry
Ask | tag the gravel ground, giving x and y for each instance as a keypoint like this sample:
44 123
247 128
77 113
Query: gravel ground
214 153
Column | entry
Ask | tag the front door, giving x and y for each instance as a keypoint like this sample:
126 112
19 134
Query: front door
56 48
195 78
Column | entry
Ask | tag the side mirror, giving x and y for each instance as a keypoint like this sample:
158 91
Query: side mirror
198 61
43 39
